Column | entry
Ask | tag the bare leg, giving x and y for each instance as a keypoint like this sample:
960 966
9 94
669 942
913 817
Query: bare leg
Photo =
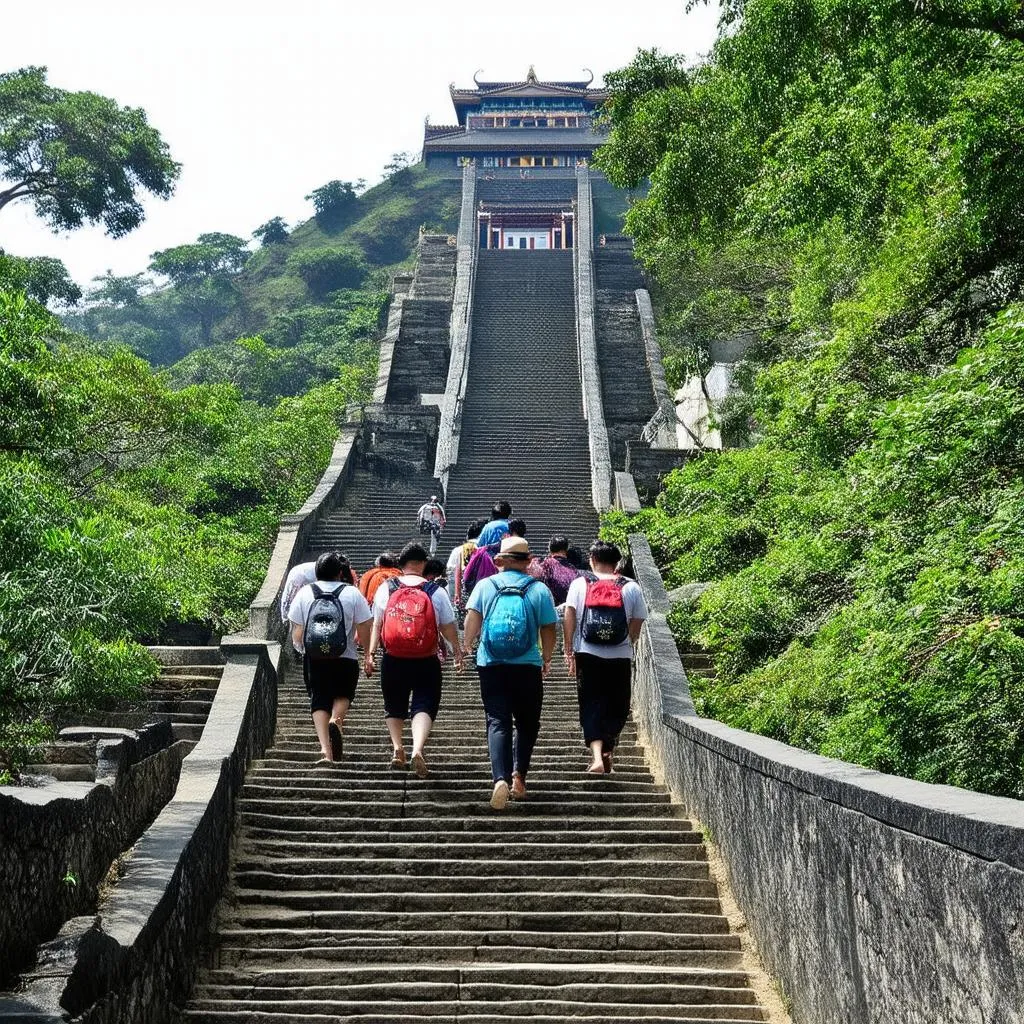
421 723
321 721
341 706
395 727
421 726
597 764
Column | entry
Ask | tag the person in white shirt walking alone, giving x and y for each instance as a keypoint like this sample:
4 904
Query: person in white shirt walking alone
430 518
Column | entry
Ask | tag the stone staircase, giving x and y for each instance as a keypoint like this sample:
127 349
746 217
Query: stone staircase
523 433
181 695
626 389
360 893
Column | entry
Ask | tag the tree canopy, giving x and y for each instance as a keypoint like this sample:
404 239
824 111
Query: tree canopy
76 156
840 184
272 231
335 203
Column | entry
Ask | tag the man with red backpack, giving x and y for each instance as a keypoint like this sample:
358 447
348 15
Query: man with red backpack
604 613
408 613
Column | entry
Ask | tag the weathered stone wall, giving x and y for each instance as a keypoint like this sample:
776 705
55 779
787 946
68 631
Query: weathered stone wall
138 956
461 329
593 402
649 466
65 830
872 899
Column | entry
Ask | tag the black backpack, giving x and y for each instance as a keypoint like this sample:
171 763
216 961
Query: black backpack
326 635
604 612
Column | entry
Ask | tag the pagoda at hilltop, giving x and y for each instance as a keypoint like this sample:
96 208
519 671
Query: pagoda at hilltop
528 124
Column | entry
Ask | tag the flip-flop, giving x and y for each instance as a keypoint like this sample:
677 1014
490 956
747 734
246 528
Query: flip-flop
419 766
398 759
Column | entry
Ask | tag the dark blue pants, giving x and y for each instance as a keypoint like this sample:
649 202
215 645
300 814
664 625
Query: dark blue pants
512 696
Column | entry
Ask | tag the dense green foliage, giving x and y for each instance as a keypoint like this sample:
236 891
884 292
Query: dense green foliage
278 293
841 184
128 506
76 156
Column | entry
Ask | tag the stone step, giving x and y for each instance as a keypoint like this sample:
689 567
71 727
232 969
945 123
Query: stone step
460 869
268 916
271 878
585 951
473 1015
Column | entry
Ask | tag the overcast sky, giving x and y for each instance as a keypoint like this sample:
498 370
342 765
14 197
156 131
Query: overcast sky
262 102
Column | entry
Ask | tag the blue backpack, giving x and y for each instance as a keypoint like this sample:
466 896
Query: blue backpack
510 628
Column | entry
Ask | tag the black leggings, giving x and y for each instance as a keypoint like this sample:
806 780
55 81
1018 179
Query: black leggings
603 689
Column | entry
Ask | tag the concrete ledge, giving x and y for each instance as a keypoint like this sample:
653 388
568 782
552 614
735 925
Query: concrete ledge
871 897
400 286
626 497
460 333
138 956
590 371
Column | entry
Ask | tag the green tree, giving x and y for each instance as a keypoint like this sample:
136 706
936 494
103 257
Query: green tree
397 168
842 182
329 269
40 277
273 231
78 157
120 292
335 204
202 273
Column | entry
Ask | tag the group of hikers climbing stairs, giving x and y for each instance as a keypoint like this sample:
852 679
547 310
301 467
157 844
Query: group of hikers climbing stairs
361 892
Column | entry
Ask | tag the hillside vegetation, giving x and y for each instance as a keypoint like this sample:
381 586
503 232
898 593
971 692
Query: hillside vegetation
138 498
306 304
842 183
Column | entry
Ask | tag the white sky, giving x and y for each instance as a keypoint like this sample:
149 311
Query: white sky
263 102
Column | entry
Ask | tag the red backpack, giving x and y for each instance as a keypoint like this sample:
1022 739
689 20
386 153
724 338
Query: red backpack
604 613
410 625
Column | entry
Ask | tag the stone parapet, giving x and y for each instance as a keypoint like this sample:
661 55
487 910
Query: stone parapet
137 957
58 839
870 897
590 372
460 332
666 414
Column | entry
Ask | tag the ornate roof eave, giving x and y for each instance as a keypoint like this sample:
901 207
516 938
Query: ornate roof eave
488 90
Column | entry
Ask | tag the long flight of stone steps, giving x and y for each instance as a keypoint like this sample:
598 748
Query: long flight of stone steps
524 437
361 893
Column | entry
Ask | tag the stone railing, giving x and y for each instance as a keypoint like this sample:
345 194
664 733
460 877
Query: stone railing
57 840
460 332
870 897
586 340
137 956
662 424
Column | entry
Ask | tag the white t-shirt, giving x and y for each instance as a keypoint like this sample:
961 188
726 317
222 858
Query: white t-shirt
444 612
633 602
353 604
300 575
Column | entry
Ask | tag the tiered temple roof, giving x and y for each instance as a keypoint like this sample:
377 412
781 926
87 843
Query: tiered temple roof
503 120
